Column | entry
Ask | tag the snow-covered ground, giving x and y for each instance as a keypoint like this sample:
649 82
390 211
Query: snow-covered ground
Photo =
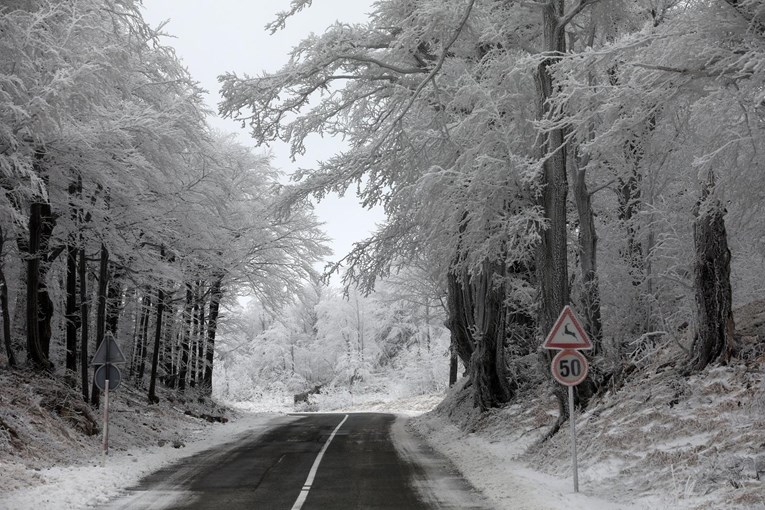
663 441
88 486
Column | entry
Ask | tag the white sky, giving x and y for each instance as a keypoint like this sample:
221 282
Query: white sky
215 36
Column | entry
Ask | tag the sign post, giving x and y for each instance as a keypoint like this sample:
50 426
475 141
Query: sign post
569 367
107 377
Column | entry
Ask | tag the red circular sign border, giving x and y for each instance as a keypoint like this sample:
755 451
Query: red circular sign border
580 356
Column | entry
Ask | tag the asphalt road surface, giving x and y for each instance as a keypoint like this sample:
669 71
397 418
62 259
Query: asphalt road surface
316 461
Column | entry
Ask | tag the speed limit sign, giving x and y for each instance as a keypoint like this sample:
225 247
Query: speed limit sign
569 367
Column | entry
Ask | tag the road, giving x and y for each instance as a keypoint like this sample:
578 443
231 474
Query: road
317 461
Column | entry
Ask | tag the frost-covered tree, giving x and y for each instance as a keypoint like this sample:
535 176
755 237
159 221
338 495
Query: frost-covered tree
420 95
85 88
687 114
105 155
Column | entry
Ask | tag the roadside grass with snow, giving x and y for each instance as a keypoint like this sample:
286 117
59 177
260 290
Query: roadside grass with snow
661 441
51 457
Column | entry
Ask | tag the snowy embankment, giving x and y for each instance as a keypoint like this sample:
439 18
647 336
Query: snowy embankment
662 441
83 486
49 460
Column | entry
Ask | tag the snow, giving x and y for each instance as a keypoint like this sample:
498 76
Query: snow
74 487
662 441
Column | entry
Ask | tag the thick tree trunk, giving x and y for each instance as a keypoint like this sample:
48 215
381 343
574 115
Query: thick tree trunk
39 304
712 283
34 348
552 258
492 386
552 263
460 321
216 294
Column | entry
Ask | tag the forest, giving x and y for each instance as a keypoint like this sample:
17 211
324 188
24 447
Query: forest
122 211
528 155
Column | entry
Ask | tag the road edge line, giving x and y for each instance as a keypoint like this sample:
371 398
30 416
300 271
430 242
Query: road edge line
312 474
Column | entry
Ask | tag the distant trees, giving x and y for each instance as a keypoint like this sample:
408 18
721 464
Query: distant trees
129 215
386 343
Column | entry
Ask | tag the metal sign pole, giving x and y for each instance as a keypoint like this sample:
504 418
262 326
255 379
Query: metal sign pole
572 419
105 448
106 398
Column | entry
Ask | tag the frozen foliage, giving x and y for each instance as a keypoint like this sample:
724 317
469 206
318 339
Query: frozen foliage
387 345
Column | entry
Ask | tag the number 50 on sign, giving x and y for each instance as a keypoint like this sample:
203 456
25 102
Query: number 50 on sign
569 367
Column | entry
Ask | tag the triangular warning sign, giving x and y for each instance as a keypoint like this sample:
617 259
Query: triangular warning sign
108 345
567 333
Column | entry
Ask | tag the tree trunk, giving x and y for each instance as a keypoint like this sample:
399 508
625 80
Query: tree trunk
460 321
82 276
72 318
153 399
167 361
629 193
186 338
453 362
143 336
114 301
103 283
39 304
4 309
588 251
216 294
552 263
198 334
71 315
19 322
491 386
552 257
34 348
712 282
135 351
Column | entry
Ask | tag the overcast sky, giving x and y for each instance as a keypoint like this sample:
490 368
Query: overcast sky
215 36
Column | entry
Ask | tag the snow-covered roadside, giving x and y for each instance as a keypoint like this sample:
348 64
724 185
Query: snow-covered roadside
663 441
77 487
507 483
